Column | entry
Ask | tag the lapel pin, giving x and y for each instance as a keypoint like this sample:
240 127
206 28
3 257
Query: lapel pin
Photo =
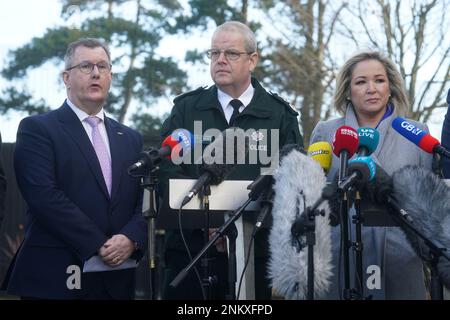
119 133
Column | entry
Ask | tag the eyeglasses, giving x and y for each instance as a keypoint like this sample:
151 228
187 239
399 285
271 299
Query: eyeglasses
231 55
87 67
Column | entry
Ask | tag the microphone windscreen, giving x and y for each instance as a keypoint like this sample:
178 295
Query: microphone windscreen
264 181
298 184
443 268
224 153
287 148
426 198
368 139
321 152
345 138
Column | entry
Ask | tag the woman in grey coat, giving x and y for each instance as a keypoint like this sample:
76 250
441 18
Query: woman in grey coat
370 93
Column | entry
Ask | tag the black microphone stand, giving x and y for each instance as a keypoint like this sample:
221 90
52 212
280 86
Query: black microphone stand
358 247
231 232
343 210
208 280
149 181
305 225
223 230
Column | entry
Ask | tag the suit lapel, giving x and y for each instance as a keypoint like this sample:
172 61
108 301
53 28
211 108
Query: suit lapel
116 145
75 130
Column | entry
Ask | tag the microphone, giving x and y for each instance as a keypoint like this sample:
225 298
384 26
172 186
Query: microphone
321 152
220 157
345 140
264 183
345 143
361 170
179 141
368 140
298 184
427 200
266 207
380 188
419 137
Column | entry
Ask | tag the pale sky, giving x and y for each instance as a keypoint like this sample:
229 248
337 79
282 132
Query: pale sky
21 20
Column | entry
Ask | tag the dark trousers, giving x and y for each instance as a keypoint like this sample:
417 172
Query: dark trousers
108 285
119 285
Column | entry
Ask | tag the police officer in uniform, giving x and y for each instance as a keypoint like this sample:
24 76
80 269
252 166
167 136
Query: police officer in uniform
238 100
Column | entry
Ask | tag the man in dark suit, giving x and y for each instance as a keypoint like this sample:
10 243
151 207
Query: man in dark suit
84 230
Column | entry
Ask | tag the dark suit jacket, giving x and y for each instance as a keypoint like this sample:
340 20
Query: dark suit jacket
71 214
445 138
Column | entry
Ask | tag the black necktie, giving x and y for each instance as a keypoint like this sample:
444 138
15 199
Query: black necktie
236 104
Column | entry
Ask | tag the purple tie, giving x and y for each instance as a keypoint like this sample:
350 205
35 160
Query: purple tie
101 151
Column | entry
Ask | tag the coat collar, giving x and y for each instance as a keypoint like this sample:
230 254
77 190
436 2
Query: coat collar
255 108
383 128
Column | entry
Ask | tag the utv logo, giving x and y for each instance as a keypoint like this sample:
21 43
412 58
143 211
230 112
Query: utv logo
366 132
74 278
257 136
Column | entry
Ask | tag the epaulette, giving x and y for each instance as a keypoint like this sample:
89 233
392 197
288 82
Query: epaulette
280 99
190 93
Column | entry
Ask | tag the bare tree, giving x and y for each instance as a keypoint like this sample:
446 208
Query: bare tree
415 35
301 64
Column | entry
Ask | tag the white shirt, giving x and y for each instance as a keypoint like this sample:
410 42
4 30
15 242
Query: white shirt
225 99
101 126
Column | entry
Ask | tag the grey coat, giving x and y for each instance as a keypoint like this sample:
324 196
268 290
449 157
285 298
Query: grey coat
387 247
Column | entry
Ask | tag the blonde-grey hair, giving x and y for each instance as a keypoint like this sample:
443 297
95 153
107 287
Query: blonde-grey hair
84 42
236 26
396 84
